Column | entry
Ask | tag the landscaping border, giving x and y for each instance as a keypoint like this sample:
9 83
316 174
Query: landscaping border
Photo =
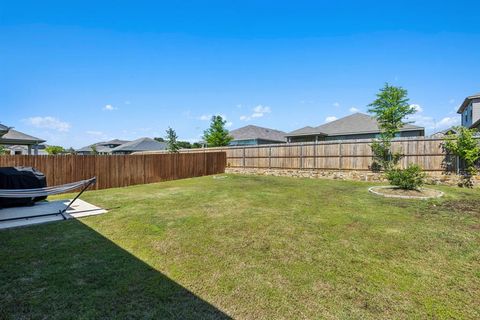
372 190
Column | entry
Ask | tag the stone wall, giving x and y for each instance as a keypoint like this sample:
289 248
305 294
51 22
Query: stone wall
435 178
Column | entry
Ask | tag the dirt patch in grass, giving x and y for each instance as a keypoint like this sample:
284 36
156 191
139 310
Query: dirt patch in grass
402 193
462 206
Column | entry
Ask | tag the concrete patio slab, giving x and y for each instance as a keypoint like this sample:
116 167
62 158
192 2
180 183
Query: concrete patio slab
79 209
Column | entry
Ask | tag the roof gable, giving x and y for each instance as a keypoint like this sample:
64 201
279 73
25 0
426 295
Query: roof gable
19 137
256 132
356 123
467 101
142 144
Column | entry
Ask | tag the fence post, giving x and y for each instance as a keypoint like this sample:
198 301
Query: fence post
244 157
301 156
204 162
315 155
270 157
340 150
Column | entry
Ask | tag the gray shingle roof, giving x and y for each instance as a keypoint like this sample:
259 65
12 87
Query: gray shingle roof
255 132
356 123
3 128
467 101
17 137
142 144
103 146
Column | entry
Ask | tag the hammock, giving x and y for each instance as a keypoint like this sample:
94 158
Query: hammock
47 191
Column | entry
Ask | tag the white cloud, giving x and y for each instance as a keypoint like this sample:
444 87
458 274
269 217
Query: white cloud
448 122
417 108
430 123
94 133
336 104
205 117
353 110
330 118
109 107
48 123
451 101
229 124
258 112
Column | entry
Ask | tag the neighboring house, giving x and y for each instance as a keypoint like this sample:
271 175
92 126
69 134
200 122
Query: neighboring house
104 147
444 133
470 111
23 150
3 129
142 144
355 126
254 135
10 137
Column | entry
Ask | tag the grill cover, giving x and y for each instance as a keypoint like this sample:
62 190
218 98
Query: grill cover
21 178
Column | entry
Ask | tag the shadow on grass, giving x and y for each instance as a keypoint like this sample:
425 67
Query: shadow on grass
69 271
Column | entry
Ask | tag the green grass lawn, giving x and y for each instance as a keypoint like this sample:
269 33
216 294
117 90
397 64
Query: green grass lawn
249 247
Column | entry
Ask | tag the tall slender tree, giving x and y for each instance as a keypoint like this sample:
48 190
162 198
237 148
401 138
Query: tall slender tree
172 143
217 135
390 109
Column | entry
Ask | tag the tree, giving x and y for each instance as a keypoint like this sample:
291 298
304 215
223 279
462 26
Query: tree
159 139
197 145
217 135
54 150
184 145
390 110
3 150
171 138
94 149
464 145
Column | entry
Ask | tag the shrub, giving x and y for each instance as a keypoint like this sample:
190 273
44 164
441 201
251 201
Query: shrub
466 147
411 178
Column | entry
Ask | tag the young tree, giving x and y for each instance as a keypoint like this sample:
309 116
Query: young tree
390 110
94 149
217 135
464 145
171 139
3 150
54 150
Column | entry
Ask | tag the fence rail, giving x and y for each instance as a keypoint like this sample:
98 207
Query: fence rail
121 170
429 153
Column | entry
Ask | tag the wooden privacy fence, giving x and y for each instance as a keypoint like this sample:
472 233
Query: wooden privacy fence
121 170
336 155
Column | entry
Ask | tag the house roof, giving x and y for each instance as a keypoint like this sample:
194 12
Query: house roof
356 123
103 146
254 132
114 141
142 144
17 137
476 124
3 128
467 101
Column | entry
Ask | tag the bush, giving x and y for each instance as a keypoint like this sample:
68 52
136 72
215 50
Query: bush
411 178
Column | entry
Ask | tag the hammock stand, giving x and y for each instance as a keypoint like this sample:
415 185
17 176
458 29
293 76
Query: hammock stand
39 192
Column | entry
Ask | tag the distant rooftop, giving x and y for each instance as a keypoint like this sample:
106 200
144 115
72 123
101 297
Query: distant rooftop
255 132
103 146
142 144
356 123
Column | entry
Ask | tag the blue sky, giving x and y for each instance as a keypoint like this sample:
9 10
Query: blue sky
77 73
